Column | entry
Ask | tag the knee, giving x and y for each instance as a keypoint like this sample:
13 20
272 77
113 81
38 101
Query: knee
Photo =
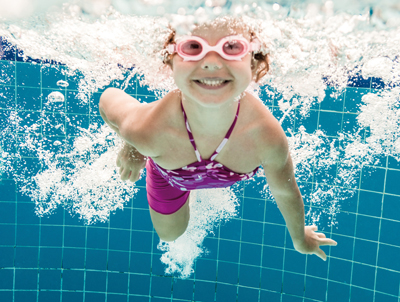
171 236
170 233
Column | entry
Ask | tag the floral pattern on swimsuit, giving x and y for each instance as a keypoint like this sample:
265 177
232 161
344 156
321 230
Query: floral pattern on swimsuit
203 174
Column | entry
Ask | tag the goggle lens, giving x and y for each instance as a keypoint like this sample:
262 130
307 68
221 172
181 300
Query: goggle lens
233 48
191 48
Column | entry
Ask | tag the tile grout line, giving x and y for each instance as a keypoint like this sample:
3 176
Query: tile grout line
85 263
107 258
355 234
240 244
380 225
262 249
331 229
40 218
15 186
130 253
216 265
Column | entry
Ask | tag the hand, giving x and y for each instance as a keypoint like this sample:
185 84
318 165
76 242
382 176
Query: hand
130 163
312 241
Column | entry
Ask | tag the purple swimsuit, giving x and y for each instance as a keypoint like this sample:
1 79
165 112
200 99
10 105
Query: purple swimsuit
168 190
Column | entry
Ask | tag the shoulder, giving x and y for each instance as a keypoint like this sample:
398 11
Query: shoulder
145 127
270 139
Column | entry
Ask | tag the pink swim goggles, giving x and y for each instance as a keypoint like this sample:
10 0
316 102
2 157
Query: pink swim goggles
192 48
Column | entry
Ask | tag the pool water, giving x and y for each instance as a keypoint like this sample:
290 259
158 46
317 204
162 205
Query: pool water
251 258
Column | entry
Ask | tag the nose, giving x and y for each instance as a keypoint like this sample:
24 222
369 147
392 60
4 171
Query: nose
212 61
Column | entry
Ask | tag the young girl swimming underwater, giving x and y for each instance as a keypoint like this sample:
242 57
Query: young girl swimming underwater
207 133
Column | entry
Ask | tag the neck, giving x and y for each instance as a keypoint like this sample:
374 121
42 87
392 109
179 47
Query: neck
209 120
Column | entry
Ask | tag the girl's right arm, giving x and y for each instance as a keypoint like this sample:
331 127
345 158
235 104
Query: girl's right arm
119 110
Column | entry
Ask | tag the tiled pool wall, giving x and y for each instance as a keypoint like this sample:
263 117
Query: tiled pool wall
59 258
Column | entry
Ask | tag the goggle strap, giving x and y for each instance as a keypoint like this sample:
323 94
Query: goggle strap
255 45
171 48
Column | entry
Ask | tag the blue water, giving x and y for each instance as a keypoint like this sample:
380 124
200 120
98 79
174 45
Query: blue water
59 258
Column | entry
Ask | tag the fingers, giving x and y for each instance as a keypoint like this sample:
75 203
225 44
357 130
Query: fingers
321 254
125 173
134 177
327 241
118 162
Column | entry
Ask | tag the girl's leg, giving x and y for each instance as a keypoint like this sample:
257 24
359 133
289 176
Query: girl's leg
170 227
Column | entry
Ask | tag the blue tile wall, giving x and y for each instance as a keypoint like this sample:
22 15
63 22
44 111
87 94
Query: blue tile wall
365 251
294 262
273 257
387 281
315 288
391 207
252 232
250 254
338 291
249 276
247 294
330 122
387 235
183 290
251 257
228 272
49 296
293 284
363 275
229 251
72 296
28 75
361 294
73 258
370 203
340 270
73 280
385 298
118 261
315 269
224 291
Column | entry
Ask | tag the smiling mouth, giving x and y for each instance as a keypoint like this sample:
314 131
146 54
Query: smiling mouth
212 84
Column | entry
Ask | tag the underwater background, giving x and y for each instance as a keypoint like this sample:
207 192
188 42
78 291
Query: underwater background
70 230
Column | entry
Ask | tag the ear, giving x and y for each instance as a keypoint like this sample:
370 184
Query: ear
254 66
169 62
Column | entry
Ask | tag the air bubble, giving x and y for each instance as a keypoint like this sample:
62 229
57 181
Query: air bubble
55 97
62 83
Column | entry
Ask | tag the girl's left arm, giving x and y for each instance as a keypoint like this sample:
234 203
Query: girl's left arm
278 168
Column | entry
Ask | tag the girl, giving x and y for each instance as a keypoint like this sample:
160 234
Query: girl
207 133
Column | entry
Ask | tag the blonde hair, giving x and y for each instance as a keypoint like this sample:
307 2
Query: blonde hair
262 60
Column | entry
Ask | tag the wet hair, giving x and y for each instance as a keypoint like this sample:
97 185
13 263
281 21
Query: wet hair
258 58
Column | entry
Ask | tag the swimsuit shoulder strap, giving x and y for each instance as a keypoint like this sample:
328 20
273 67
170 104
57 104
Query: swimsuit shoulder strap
189 131
228 134
224 141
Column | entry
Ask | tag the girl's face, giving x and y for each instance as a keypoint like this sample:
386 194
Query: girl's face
213 80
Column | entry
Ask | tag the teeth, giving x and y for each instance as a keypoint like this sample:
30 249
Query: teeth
211 82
